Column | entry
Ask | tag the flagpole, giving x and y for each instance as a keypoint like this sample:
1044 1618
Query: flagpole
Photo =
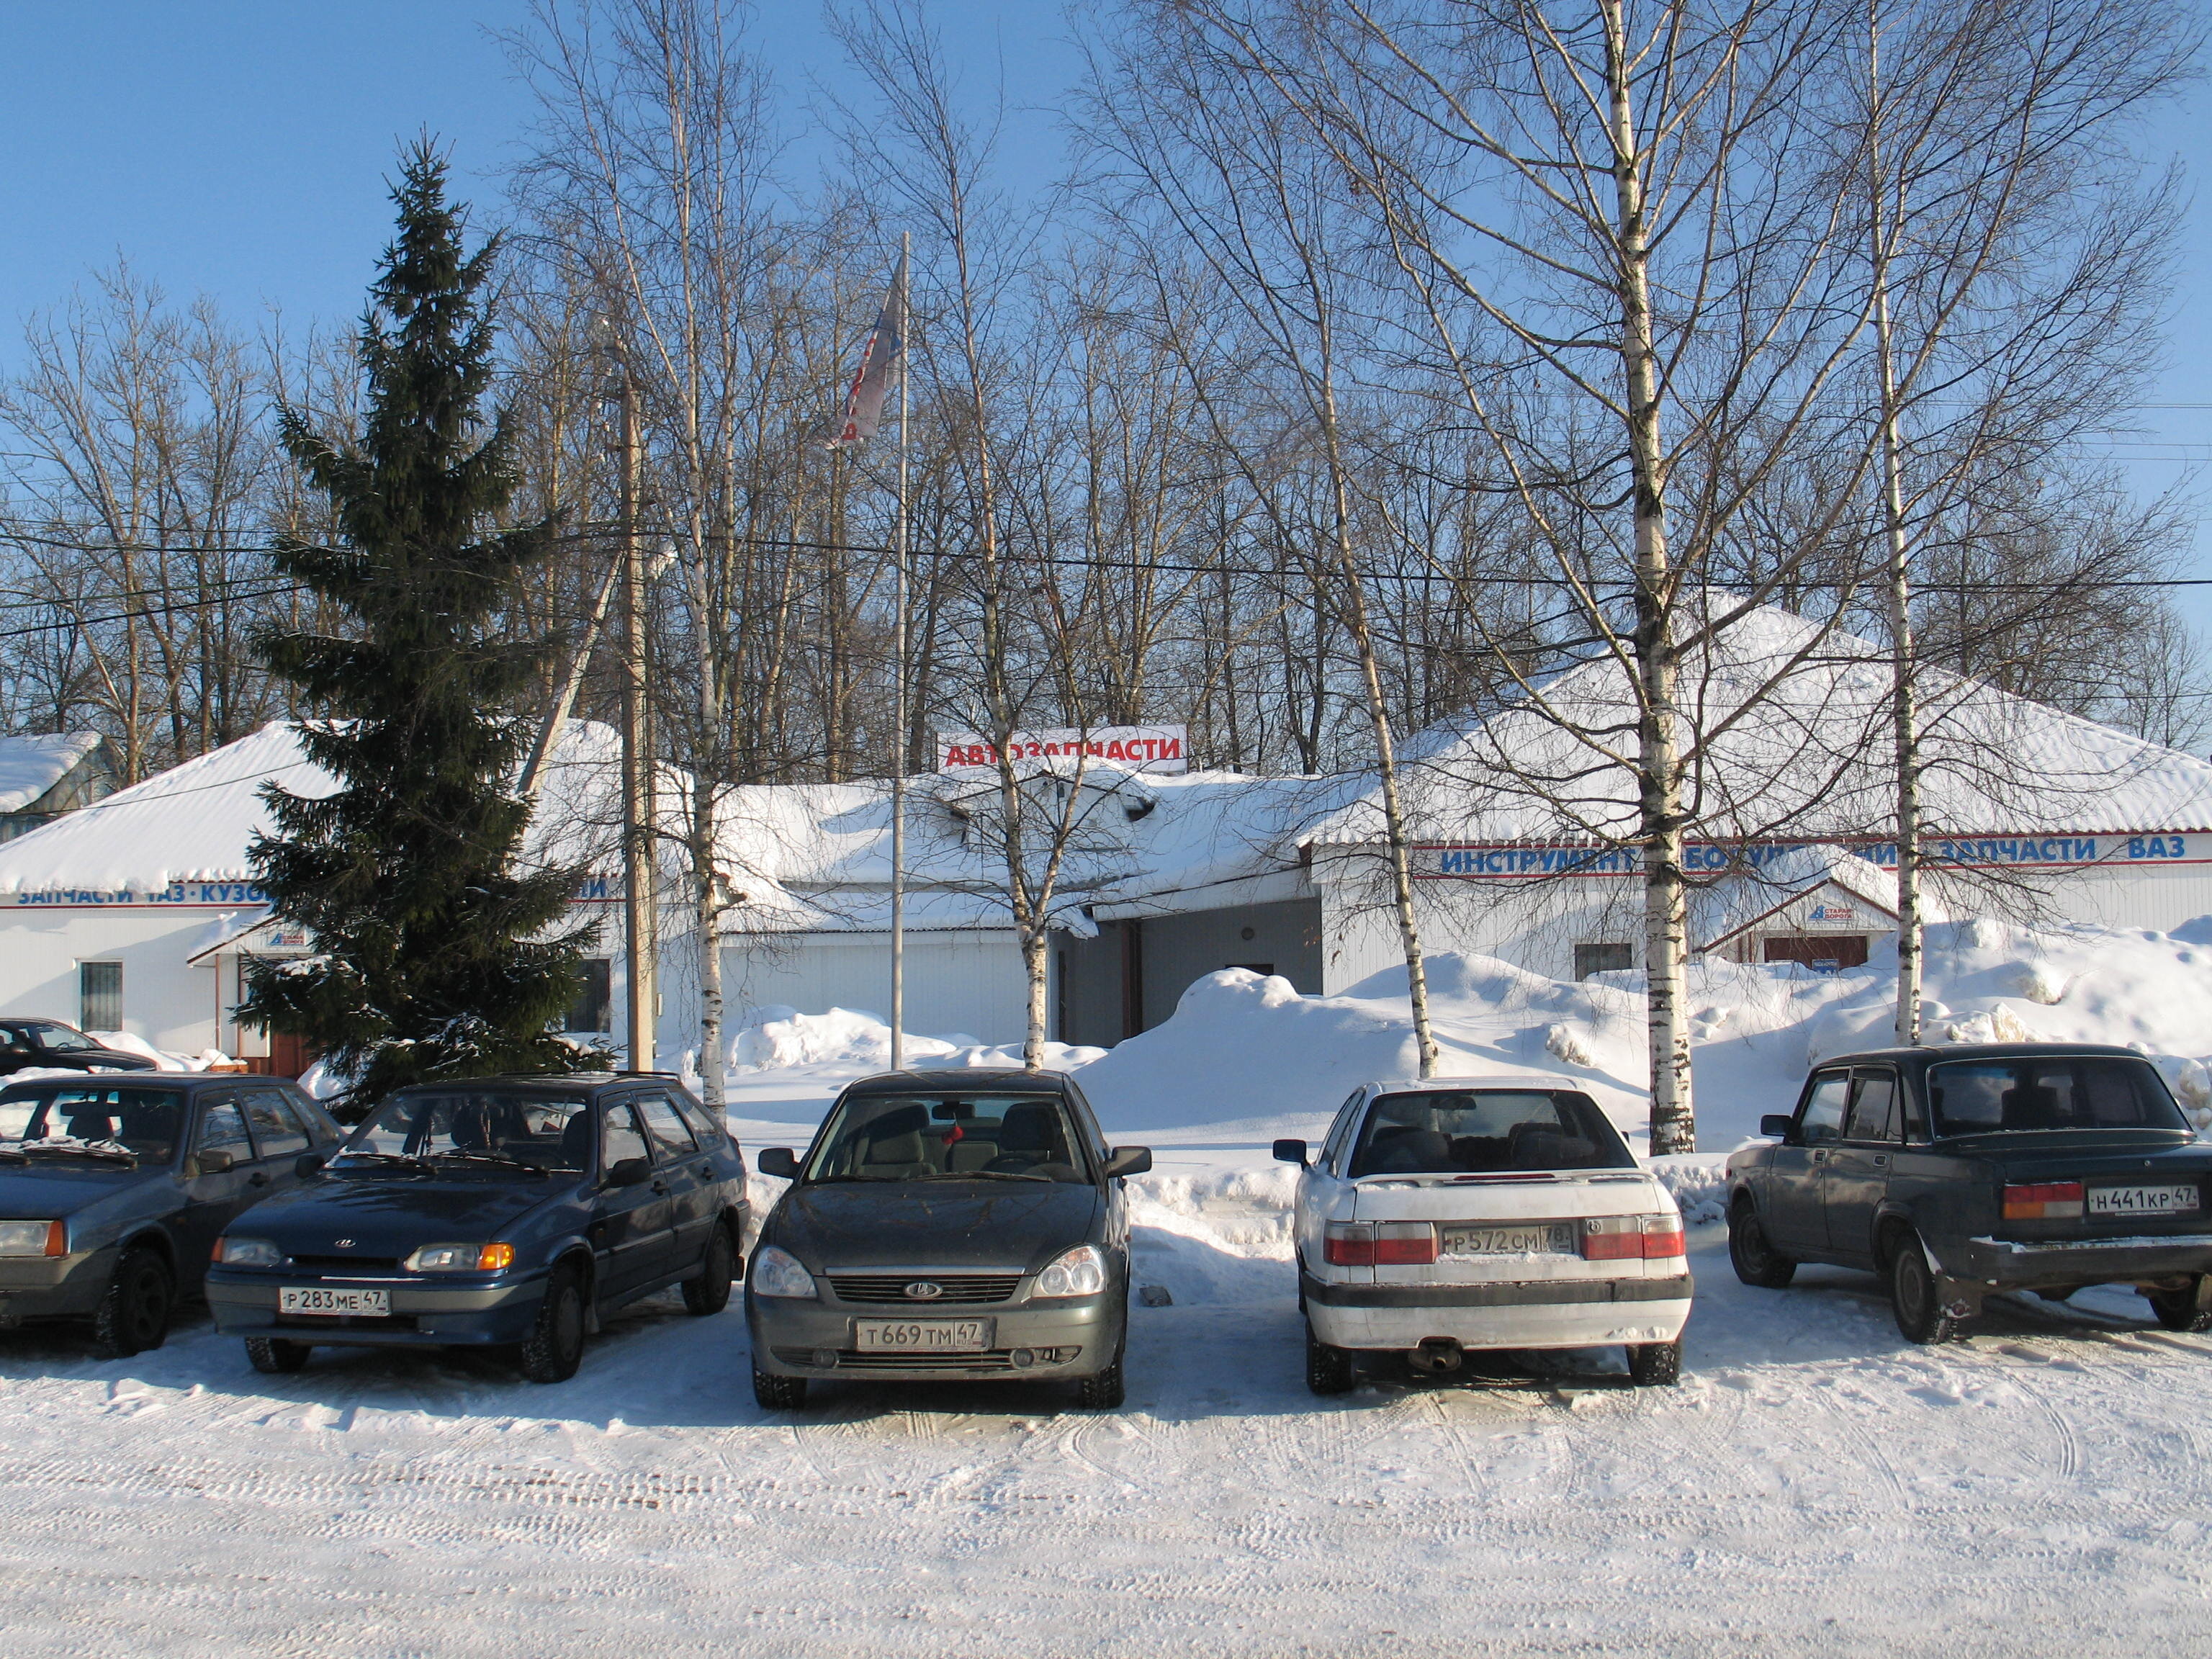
899 697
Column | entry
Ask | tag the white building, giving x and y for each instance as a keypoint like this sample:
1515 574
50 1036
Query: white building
2033 813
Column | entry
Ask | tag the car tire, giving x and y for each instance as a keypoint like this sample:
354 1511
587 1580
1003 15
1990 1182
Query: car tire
707 1291
1914 1297
2178 1310
555 1347
1655 1364
1753 1255
274 1356
778 1393
133 1312
1329 1371
1105 1391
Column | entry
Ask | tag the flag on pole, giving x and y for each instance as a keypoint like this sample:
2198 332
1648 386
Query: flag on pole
864 403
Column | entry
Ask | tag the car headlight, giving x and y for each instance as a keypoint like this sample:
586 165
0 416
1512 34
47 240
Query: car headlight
460 1259
33 1238
777 1272
248 1253
1081 1272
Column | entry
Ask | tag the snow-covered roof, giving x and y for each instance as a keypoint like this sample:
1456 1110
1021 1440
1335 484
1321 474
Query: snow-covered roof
31 765
195 822
1784 732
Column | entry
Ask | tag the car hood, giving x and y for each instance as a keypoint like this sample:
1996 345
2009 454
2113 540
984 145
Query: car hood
390 1217
49 1190
840 1227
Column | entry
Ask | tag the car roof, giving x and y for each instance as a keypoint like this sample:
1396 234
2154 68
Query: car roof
1928 1053
1522 1080
959 1079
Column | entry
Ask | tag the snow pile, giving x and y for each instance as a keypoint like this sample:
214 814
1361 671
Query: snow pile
778 1037
166 1059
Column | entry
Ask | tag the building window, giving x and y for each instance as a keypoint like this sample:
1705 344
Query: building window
594 1011
1609 958
100 996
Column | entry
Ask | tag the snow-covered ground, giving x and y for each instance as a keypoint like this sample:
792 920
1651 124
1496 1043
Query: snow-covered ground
1816 1485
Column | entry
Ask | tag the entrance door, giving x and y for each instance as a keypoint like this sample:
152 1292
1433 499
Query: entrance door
1824 953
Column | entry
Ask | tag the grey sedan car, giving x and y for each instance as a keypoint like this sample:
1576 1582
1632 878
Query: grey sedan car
946 1224
114 1189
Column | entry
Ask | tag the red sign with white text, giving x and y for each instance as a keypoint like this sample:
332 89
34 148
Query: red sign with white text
1160 749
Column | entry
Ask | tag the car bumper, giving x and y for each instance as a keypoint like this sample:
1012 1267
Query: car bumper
423 1316
1546 1314
54 1286
1079 1337
2008 1264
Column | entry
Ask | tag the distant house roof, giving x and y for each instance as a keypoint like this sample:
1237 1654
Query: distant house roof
1784 733
31 766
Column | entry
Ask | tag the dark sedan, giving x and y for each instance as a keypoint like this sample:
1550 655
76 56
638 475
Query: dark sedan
49 1045
1958 1171
499 1212
113 1191
943 1225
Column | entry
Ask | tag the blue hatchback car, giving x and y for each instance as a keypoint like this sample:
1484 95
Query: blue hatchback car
501 1213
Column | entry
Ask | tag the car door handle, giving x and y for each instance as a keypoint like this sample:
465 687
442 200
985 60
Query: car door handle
1882 1160
1819 1157
704 1171
258 1178
660 1186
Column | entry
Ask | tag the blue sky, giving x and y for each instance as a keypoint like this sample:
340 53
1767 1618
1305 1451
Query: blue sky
239 149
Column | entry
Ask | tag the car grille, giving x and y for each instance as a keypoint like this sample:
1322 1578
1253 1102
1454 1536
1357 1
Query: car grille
344 1263
996 1359
955 1287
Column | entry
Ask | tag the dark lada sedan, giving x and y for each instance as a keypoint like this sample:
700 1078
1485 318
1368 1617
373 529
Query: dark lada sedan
1957 1171
499 1212
49 1045
114 1189
958 1224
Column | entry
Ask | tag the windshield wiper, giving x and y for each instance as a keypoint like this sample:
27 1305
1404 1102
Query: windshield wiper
342 1155
501 1158
67 1148
981 1175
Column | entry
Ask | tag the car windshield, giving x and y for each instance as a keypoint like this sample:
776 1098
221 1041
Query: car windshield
144 1121
2054 1091
1485 1132
545 1132
48 1035
923 1137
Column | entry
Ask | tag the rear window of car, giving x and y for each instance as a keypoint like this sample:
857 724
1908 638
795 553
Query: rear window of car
1485 1132
2064 1092
146 1120
938 1136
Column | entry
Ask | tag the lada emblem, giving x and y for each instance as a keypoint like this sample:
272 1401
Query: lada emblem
342 1244
922 1290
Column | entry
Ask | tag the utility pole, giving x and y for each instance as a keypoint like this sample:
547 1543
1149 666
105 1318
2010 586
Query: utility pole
900 715
640 929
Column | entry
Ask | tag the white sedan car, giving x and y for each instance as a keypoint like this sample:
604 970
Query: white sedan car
1482 1212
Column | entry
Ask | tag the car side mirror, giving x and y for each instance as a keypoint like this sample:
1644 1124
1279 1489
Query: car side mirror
1128 1161
310 1164
1291 1152
214 1161
630 1172
778 1161
1777 1124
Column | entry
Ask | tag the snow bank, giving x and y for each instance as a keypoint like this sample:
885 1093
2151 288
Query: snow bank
166 1059
778 1037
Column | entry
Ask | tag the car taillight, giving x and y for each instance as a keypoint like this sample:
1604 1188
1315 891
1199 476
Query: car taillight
1632 1238
2042 1201
1379 1244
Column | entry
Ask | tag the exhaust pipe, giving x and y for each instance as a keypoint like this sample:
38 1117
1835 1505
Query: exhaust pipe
1438 1356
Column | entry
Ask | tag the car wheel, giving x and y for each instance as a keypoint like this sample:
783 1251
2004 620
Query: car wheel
1756 1260
1655 1364
2179 1310
778 1393
133 1314
1914 1297
555 1346
1328 1370
1105 1392
710 1292
274 1355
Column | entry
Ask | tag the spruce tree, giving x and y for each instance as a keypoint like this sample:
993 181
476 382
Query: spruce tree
436 955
